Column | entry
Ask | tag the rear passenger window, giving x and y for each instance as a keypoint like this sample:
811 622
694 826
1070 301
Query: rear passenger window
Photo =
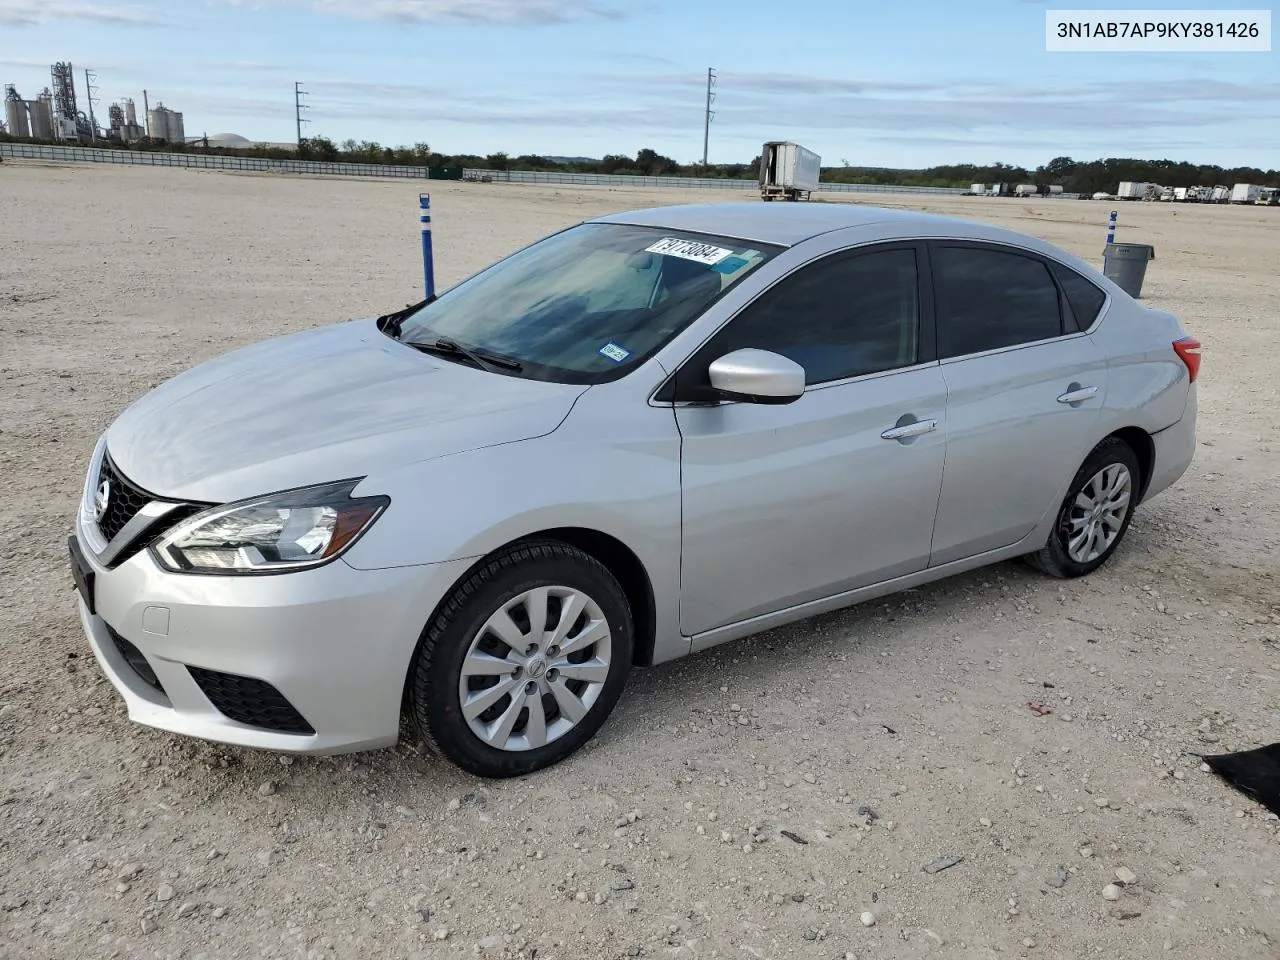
1085 299
989 299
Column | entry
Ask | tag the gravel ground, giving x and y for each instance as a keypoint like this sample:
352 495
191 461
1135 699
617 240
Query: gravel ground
798 794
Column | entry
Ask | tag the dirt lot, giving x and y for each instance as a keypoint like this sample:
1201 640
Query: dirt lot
116 841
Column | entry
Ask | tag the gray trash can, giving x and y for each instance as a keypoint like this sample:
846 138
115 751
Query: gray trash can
1125 264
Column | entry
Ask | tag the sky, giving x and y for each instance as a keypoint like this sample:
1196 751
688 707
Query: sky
911 83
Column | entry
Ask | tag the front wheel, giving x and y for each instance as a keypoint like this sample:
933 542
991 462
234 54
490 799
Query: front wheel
1095 514
523 662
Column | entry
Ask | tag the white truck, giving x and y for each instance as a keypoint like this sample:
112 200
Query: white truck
1245 193
788 171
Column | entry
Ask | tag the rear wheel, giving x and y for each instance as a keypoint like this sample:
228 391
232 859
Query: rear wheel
524 661
1095 514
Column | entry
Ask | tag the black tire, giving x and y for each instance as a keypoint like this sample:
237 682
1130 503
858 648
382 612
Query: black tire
436 671
1054 558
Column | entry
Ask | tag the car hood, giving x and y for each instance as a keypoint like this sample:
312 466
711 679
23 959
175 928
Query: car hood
327 404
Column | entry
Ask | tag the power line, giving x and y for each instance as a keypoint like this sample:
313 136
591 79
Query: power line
298 107
706 126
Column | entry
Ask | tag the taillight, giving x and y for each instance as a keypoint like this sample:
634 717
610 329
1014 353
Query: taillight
1188 351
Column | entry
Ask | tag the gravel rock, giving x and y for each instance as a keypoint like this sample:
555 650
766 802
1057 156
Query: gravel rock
1057 877
187 909
267 789
868 918
942 863
1126 876
1111 892
441 934
148 925
129 871
164 892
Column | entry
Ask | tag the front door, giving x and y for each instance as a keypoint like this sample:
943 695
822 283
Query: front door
788 504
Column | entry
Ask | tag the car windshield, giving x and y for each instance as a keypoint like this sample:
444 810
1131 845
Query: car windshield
589 303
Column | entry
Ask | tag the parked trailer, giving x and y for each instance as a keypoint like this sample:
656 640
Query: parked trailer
1025 190
1132 189
788 171
1220 195
977 189
1245 193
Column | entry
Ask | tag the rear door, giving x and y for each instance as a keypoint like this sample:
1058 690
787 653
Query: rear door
1025 390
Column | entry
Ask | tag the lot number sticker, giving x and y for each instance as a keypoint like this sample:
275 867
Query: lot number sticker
689 250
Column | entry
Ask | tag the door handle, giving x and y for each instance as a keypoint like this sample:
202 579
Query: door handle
906 431
1077 394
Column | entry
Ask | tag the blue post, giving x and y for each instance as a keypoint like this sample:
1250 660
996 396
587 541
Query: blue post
428 261
1111 227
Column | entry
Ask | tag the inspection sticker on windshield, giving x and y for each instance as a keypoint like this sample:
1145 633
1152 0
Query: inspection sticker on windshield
614 352
689 250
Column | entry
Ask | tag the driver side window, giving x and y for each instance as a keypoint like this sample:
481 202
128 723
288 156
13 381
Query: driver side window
845 316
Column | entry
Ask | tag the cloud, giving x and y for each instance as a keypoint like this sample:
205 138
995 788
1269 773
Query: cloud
508 12
30 13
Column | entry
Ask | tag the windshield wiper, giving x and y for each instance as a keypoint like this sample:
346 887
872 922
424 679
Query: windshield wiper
389 323
480 358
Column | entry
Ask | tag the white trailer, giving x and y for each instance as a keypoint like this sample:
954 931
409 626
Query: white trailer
1025 190
1181 194
978 189
788 171
1245 193
1220 194
1132 189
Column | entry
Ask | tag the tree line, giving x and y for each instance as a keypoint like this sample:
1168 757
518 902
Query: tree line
1073 176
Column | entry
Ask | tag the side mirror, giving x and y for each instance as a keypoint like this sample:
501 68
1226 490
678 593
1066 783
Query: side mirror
757 376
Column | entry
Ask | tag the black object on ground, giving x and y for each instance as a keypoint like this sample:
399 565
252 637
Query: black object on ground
1252 772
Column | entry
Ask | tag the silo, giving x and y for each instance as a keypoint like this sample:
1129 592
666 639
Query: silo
15 118
41 118
130 113
158 122
15 113
176 133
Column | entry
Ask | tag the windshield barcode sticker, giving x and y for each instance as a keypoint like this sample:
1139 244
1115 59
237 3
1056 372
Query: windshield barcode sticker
689 250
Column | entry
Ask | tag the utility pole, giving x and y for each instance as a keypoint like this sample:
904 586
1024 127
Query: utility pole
298 107
89 91
146 113
707 124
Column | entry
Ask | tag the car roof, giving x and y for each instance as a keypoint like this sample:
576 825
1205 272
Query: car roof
785 224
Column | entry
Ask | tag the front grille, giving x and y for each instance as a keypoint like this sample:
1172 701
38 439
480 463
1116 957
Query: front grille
250 701
124 499
136 661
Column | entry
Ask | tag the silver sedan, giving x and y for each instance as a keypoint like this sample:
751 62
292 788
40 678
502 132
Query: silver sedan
637 438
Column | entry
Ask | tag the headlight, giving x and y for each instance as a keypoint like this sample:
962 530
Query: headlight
273 534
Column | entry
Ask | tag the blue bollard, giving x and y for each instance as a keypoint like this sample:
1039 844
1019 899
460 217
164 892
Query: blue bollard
1111 227
428 260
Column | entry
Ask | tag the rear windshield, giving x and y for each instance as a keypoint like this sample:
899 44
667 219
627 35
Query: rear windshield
590 303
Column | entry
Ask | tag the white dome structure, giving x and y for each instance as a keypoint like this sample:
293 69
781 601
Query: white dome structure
229 140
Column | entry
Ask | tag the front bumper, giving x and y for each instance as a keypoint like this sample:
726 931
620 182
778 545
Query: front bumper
334 642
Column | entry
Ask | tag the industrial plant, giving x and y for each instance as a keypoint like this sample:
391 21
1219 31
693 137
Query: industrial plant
55 114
